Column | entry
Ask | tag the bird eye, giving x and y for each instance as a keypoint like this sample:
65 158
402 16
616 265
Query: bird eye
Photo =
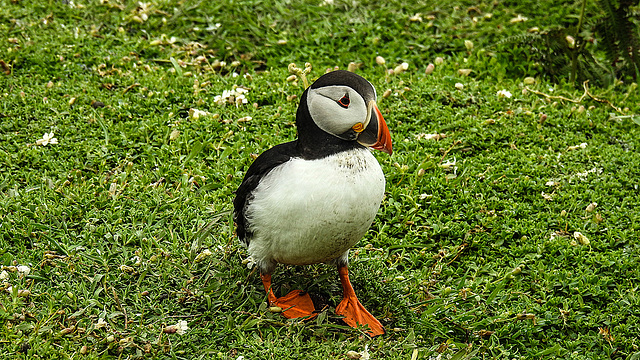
344 101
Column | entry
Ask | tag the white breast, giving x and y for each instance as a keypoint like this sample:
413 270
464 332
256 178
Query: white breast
312 211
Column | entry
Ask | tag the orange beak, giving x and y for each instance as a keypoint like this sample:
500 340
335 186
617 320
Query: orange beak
384 136
376 135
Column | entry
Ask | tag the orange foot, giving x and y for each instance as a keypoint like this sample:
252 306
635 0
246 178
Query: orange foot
350 307
295 304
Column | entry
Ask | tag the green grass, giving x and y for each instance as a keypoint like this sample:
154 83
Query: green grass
470 261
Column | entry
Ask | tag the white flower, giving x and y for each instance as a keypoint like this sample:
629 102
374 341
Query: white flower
136 259
23 270
4 275
196 114
250 262
571 42
100 324
234 96
181 327
449 165
326 2
591 207
416 18
215 26
203 255
459 86
504 94
583 175
401 68
363 355
518 19
47 138
576 147
241 99
430 136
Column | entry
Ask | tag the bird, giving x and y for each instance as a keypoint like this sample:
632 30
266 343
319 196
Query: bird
310 200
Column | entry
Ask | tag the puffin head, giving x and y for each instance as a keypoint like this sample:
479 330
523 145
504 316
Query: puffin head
340 108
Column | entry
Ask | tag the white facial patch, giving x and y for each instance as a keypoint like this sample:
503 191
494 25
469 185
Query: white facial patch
332 117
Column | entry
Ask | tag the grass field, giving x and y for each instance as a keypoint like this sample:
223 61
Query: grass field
511 234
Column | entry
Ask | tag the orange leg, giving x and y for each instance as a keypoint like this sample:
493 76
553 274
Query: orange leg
354 313
295 304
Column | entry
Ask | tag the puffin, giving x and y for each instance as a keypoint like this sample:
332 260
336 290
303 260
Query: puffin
308 201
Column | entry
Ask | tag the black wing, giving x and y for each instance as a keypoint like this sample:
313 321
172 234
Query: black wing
268 160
